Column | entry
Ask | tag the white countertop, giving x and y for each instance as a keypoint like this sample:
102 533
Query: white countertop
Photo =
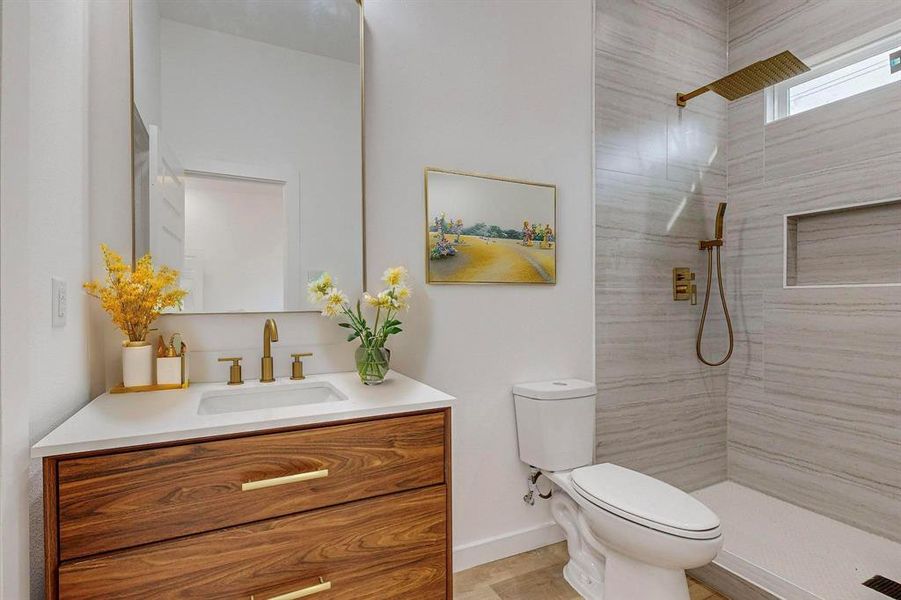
123 420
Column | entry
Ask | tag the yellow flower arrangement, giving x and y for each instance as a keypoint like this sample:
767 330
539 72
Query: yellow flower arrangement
134 299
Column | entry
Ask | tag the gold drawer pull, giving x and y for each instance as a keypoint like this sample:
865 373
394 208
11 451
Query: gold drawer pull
308 591
264 483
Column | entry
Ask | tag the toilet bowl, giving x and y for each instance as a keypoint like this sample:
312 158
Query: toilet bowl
629 536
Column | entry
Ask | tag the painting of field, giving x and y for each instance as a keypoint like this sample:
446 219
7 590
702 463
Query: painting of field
488 230
486 260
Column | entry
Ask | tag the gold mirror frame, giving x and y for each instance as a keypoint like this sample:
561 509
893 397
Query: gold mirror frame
131 143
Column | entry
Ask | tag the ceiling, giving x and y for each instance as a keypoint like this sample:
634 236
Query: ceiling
325 27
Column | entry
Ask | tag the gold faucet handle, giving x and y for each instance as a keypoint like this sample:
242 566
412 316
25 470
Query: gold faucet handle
234 372
297 365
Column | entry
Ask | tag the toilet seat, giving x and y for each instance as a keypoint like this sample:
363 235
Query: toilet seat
645 501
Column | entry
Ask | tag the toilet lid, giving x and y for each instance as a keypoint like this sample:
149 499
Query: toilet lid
646 501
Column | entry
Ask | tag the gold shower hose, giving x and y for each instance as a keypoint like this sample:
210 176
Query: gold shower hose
719 280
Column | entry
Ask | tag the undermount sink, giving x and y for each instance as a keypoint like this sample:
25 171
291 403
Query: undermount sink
260 398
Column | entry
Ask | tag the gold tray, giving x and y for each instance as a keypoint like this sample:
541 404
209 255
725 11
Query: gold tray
121 389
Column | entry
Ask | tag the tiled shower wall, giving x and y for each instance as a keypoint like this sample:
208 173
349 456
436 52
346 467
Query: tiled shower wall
814 391
660 172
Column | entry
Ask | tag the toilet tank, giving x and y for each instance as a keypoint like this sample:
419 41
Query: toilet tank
555 423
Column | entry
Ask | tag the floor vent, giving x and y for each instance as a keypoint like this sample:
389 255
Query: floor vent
884 585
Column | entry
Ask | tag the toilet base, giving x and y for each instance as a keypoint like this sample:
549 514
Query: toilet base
590 588
585 569
626 579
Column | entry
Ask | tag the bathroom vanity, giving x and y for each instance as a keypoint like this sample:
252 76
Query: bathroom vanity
271 491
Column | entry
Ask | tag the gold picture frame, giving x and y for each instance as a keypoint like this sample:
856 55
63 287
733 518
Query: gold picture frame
519 248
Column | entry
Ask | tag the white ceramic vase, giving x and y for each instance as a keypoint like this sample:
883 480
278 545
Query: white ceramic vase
137 364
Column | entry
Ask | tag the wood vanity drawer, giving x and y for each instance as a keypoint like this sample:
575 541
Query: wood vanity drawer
388 547
126 499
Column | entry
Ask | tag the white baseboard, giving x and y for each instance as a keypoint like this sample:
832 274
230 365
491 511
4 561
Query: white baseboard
483 551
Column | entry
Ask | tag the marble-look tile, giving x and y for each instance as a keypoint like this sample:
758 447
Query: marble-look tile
680 439
827 431
652 50
755 217
631 141
660 171
852 130
629 322
745 133
851 246
761 28
696 149
813 394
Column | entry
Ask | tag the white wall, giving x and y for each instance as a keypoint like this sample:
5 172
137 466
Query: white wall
503 88
14 159
46 217
248 104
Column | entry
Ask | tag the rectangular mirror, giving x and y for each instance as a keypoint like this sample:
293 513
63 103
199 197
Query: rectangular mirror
247 148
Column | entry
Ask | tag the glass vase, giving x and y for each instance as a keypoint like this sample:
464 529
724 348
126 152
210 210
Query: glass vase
372 364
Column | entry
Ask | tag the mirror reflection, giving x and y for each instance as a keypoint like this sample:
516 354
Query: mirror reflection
247 147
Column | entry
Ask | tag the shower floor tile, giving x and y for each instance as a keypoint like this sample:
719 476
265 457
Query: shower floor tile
796 553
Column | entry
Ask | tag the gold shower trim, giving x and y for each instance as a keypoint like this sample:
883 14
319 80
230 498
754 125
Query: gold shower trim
752 78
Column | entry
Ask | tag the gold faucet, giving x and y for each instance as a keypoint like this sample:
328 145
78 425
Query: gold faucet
270 334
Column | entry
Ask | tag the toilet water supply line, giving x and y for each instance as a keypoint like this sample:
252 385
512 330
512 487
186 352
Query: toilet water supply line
532 485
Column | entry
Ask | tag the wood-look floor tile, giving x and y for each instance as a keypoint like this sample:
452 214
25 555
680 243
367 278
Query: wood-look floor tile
697 591
500 570
534 575
543 584
481 593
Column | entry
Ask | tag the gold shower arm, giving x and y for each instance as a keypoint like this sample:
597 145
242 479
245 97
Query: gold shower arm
681 99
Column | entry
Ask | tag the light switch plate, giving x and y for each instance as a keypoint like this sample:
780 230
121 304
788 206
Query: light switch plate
59 302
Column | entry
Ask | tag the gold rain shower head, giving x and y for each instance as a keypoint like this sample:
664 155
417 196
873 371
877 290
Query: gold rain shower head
752 78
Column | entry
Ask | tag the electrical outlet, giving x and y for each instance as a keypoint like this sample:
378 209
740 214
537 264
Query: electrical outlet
59 303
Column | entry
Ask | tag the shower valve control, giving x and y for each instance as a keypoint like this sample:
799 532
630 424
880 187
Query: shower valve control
684 287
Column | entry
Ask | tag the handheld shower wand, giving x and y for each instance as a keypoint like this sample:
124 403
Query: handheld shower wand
709 245
720 216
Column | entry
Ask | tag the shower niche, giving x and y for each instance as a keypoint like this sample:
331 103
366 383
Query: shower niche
847 246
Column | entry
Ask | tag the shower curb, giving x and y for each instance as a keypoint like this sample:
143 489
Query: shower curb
723 576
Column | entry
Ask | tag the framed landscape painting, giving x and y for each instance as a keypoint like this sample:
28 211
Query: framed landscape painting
484 229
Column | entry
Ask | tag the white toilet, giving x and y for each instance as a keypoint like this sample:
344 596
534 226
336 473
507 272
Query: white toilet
630 536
